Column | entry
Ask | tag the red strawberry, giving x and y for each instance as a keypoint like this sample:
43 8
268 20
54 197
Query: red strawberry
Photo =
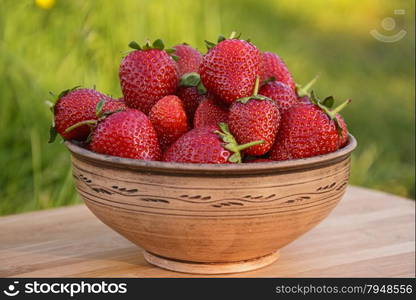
307 130
191 92
272 66
190 98
113 105
189 59
169 120
127 134
147 75
254 118
229 69
209 113
284 96
77 105
206 145
279 151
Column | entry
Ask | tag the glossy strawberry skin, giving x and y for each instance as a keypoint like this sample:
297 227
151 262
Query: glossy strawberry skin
282 94
189 59
230 68
128 134
147 76
279 152
169 120
305 131
253 121
190 98
200 145
273 66
209 113
77 106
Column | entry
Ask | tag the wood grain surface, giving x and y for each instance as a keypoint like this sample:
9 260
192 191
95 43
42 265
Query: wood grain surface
369 234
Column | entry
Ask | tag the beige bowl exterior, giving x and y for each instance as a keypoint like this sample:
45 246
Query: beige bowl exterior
211 213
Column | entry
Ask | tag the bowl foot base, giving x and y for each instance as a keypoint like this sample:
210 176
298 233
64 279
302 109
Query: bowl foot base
210 268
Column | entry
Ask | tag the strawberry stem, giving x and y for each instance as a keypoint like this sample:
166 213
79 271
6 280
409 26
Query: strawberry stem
256 86
255 95
233 34
231 144
333 113
79 124
247 145
304 90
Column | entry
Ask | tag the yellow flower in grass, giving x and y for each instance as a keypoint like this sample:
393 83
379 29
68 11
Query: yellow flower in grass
45 4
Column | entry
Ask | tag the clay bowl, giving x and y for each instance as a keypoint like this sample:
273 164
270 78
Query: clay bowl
209 219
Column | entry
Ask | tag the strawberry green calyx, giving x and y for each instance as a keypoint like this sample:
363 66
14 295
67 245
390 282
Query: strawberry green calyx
231 144
134 45
193 79
303 90
99 108
209 44
52 133
221 38
326 106
157 44
255 95
190 79
233 35
65 92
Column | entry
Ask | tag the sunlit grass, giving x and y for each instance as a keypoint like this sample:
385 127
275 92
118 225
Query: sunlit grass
82 42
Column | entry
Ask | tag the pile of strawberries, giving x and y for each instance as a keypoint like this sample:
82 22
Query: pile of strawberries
234 104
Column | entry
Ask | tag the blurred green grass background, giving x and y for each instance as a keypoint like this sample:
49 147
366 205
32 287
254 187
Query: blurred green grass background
81 42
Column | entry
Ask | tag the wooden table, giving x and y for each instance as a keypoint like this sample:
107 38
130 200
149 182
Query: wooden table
369 234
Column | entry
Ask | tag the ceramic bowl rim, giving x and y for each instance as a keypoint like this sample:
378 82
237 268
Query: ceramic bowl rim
213 169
